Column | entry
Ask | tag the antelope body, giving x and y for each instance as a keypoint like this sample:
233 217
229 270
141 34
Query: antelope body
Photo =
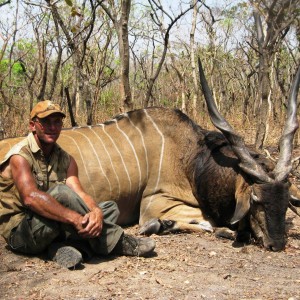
143 160
169 174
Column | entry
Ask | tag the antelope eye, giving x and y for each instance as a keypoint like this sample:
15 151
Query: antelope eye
254 197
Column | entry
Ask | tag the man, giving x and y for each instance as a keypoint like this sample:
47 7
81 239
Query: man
44 207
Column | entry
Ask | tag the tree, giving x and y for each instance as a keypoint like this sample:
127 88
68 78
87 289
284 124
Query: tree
272 22
50 47
4 3
120 21
165 33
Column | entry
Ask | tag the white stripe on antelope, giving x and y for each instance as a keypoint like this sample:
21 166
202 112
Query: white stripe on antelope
169 174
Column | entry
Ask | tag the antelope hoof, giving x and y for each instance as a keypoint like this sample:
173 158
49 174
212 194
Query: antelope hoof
225 233
150 227
206 226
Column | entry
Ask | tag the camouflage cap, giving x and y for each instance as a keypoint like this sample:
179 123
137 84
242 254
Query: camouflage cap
45 108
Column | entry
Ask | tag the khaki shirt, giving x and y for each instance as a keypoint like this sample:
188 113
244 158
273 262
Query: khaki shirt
46 174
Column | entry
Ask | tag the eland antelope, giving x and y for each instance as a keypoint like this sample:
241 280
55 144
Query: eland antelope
169 174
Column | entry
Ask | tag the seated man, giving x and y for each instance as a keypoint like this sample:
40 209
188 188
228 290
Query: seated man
43 205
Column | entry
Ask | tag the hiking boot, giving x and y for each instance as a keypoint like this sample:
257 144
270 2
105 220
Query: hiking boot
65 256
132 246
83 247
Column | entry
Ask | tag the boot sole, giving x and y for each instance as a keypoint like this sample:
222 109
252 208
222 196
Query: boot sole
67 257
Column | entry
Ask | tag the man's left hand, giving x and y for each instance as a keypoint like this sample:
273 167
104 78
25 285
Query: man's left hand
92 223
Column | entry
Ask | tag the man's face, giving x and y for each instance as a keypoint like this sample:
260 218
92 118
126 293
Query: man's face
47 129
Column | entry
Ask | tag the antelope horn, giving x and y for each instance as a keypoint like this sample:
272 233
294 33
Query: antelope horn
284 163
247 163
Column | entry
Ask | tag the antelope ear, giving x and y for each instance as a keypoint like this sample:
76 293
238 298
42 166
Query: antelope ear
242 197
294 195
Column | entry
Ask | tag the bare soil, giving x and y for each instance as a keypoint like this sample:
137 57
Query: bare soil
185 266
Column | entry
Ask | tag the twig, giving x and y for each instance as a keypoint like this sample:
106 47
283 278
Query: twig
269 155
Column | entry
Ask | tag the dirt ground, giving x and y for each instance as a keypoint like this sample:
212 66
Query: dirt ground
185 266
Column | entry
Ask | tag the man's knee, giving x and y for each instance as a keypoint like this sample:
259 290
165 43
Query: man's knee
110 211
68 198
110 205
61 192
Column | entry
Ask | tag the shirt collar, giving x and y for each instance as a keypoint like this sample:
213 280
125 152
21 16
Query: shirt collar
34 147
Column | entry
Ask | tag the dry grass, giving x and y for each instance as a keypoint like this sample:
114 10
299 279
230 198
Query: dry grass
15 124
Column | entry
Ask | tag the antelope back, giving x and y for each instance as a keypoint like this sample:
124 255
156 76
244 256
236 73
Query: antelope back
135 155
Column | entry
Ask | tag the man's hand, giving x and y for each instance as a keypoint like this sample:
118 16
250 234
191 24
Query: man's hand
91 224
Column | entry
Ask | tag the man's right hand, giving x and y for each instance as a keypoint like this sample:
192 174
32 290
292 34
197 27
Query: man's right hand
91 224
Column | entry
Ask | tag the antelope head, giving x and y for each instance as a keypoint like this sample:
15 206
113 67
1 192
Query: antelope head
269 196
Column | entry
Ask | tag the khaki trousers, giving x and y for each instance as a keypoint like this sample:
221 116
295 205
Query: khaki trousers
35 233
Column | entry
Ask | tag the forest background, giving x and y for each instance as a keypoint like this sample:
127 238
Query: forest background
98 58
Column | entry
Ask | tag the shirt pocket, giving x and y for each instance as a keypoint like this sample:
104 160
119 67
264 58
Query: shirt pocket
56 178
41 180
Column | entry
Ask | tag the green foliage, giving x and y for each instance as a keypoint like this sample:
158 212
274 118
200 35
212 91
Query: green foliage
165 102
3 66
227 23
13 75
108 100
14 71
17 68
69 2
67 73
24 45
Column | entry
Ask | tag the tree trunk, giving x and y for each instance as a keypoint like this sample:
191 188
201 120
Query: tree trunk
263 107
278 17
125 90
121 26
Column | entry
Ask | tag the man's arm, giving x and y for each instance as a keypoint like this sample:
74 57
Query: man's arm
93 221
38 201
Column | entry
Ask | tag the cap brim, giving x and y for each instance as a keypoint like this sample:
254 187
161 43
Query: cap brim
48 113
